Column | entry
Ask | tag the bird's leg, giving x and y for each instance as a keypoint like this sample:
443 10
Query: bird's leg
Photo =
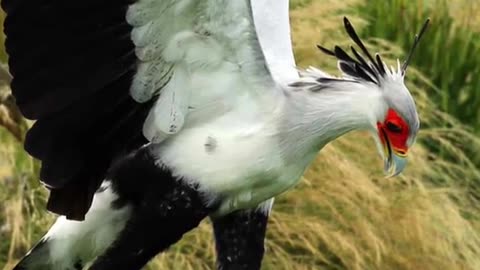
162 210
240 238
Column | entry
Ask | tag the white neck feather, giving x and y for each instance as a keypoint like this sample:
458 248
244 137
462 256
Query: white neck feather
313 119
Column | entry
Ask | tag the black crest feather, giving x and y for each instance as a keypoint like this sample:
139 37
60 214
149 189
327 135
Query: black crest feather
358 67
415 43
353 35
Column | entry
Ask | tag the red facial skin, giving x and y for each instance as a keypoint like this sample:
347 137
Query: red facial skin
396 130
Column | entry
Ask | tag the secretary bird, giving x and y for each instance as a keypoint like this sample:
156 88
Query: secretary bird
152 115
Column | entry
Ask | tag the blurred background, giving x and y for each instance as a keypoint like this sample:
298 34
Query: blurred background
344 214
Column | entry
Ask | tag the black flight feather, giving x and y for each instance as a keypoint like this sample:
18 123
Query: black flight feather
72 65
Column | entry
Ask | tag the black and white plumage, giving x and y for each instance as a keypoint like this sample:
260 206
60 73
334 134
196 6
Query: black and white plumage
154 114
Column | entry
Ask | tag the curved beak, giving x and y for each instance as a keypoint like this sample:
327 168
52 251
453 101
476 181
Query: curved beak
395 161
394 165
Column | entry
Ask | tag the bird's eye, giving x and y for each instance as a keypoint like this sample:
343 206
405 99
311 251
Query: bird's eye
395 128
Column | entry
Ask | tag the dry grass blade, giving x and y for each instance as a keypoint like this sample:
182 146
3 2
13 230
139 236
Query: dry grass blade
10 116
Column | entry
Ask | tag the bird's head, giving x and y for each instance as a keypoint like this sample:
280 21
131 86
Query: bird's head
393 117
395 124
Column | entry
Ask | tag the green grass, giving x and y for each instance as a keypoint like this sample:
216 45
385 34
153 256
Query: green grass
344 214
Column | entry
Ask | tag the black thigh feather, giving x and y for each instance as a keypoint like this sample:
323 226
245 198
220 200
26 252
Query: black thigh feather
163 209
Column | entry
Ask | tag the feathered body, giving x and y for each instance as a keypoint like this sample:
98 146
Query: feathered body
183 109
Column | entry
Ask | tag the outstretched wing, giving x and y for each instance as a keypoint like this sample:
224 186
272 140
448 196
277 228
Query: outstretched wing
95 73
272 23
72 66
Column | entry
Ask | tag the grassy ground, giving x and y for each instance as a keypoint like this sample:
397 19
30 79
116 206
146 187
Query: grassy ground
344 214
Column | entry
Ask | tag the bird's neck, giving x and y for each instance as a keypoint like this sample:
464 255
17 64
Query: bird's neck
313 119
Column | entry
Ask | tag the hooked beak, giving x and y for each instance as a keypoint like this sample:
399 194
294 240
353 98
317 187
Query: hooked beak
395 161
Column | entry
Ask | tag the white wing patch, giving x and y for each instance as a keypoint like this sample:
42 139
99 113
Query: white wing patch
168 115
187 50
149 79
157 74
